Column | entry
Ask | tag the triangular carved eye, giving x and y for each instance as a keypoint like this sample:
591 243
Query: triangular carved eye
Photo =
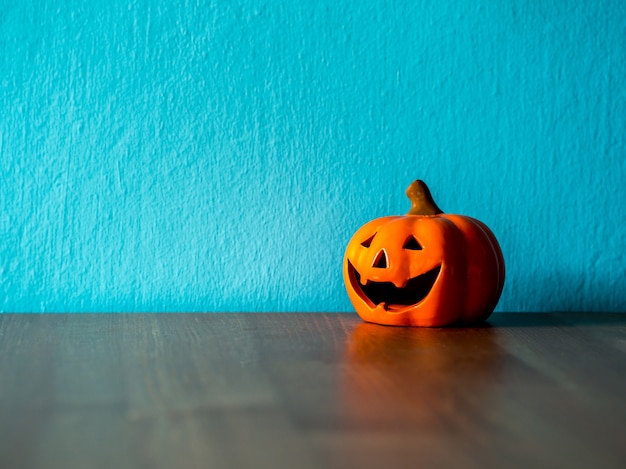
412 244
368 241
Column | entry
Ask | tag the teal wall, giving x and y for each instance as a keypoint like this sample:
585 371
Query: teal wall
218 155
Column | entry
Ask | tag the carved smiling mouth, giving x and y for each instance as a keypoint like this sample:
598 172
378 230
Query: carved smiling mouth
391 297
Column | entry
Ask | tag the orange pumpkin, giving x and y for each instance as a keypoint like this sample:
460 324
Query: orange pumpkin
425 268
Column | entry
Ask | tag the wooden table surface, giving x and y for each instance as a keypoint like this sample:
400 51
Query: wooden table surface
310 390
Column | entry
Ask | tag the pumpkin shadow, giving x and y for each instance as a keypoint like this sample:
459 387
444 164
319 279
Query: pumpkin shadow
569 294
561 319
424 378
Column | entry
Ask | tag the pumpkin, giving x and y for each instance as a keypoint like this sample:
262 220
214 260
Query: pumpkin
425 268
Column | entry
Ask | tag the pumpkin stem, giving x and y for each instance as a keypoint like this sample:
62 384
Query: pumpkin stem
422 202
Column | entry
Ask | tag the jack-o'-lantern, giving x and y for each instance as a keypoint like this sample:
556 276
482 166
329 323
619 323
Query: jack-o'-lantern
425 268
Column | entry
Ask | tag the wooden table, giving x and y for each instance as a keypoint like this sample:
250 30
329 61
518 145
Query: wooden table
310 390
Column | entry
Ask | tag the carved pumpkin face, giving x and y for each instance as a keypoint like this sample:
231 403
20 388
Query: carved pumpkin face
425 268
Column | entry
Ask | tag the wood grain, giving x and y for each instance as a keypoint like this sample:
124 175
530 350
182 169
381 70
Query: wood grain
310 390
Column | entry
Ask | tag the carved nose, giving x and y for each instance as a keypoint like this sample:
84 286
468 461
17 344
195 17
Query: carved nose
380 261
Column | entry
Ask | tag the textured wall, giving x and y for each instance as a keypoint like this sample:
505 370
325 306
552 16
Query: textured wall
218 155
